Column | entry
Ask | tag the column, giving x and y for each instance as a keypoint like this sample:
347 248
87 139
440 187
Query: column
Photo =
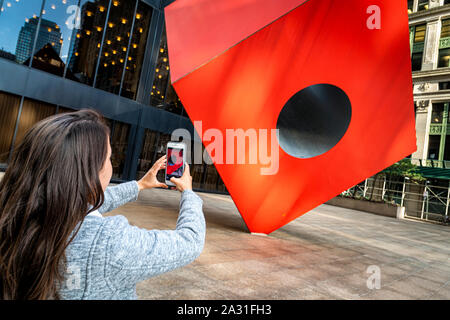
415 5
443 132
423 120
431 50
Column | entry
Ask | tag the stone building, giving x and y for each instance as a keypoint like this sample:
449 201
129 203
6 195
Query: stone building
429 22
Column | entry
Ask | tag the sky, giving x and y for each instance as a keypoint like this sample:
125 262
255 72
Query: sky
14 13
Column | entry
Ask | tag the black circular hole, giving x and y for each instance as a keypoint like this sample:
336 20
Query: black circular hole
314 120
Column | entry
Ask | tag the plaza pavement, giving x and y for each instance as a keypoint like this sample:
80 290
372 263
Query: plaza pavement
325 254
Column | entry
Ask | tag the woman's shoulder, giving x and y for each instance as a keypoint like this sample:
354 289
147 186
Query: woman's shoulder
94 225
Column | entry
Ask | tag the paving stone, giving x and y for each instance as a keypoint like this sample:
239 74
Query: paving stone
322 255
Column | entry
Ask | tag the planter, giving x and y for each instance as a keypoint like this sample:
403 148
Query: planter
380 208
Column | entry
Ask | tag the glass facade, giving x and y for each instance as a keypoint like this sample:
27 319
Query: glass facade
18 26
133 63
87 36
204 177
102 45
9 109
163 94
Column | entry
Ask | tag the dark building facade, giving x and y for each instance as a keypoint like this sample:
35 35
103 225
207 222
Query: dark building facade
110 55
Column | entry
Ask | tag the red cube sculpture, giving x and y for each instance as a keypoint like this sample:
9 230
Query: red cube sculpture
334 77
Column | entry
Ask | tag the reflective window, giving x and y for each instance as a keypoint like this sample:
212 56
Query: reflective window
416 61
136 51
410 6
444 58
163 94
437 113
198 170
86 41
65 110
9 109
445 30
119 146
148 152
161 80
212 178
444 45
444 86
433 147
59 18
418 47
154 147
423 5
160 151
115 46
18 25
419 34
33 111
197 175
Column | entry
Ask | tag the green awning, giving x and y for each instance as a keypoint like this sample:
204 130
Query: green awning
437 173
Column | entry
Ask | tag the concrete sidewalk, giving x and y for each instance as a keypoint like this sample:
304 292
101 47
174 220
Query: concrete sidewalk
324 254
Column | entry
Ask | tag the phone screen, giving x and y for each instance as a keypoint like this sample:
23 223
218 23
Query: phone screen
174 163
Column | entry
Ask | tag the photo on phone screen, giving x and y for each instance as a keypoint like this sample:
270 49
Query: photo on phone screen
174 163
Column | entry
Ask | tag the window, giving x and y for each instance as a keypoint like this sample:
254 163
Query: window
444 45
136 51
437 113
212 178
114 51
119 146
53 42
148 152
163 94
418 40
124 47
423 5
9 109
444 85
86 42
410 6
433 147
33 111
18 26
445 30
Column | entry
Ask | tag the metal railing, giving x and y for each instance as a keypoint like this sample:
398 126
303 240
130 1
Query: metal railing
421 200
432 163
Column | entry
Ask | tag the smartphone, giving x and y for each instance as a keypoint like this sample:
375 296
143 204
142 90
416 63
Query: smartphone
175 161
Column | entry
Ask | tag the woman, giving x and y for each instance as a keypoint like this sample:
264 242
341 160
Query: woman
54 241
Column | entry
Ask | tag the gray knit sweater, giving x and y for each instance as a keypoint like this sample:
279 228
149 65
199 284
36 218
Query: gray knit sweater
108 256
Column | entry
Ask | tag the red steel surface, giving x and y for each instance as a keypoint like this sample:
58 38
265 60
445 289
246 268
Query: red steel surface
246 86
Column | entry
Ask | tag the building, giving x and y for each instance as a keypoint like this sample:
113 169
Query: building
430 58
49 33
110 55
7 55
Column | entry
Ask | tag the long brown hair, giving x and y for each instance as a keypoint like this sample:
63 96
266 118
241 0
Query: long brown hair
51 183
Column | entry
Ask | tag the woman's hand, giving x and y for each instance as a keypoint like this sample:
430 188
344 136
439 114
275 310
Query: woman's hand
184 182
149 180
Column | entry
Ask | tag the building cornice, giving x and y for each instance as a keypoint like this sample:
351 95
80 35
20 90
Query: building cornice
429 15
437 74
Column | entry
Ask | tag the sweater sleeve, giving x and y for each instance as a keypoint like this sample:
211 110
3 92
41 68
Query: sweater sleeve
116 196
135 254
